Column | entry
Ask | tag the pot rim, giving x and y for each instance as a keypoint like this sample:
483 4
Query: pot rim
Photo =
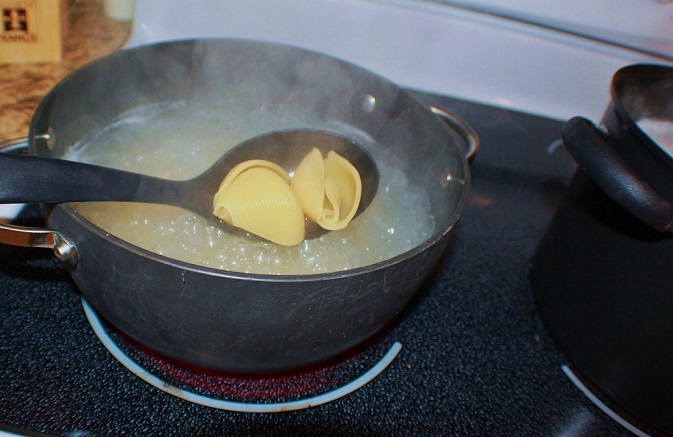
653 73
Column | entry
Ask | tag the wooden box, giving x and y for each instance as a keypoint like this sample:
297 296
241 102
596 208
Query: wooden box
32 30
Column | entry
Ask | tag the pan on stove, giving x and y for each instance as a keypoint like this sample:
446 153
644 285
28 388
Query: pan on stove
602 273
239 322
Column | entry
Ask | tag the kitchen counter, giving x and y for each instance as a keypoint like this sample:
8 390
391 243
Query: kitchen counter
90 35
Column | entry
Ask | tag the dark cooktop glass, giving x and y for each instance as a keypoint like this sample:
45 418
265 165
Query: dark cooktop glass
476 358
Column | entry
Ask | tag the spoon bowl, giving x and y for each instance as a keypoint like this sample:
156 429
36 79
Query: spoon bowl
32 179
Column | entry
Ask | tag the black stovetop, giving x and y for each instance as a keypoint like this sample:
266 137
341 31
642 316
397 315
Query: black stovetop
476 358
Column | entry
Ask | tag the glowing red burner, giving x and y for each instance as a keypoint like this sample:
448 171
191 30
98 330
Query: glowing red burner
249 393
275 387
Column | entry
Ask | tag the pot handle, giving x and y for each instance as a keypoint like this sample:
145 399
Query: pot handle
589 147
22 236
462 128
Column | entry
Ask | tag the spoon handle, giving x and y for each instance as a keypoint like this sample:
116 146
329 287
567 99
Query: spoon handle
32 179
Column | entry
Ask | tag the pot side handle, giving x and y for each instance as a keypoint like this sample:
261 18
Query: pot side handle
41 238
462 128
589 148
22 236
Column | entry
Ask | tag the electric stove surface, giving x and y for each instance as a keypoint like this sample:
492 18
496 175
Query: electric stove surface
475 357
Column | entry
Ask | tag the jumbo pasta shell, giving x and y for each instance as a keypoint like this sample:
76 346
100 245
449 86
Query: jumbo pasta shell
256 196
329 189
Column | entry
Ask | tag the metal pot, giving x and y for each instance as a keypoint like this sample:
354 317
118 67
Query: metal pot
602 273
234 321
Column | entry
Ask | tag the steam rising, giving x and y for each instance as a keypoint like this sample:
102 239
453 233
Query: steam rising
195 100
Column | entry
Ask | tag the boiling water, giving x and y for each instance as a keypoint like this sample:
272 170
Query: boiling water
180 142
